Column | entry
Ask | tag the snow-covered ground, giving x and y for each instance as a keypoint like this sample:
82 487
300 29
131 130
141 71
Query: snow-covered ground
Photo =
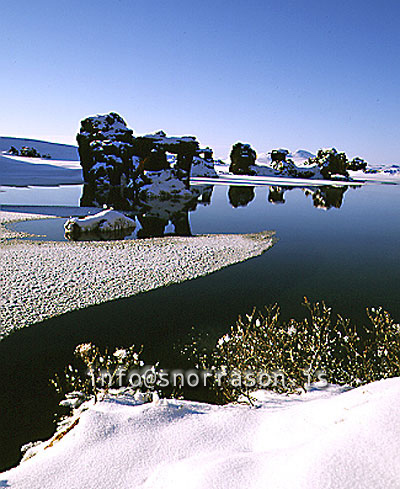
63 167
57 151
325 439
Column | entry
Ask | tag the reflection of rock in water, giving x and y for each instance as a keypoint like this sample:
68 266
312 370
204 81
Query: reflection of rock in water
157 213
277 195
98 235
240 196
327 196
205 192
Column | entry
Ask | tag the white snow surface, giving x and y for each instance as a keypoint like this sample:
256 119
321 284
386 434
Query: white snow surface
107 220
63 168
202 168
164 184
325 439
57 151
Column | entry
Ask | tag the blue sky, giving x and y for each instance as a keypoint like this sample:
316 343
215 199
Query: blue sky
294 74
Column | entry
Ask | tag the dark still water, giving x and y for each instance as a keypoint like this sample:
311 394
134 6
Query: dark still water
347 255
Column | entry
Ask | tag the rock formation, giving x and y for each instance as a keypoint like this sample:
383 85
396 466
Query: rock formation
109 166
330 162
122 171
242 157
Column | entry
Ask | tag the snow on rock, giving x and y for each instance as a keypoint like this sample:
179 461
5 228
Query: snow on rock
106 221
109 168
287 169
202 168
242 157
165 184
324 439
118 168
392 170
299 157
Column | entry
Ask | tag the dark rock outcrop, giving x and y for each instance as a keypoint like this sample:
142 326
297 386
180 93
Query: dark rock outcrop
330 162
109 166
122 171
242 157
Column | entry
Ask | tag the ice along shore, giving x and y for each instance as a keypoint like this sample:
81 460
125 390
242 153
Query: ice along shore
40 280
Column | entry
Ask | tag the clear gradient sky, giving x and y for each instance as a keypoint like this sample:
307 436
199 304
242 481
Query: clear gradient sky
294 74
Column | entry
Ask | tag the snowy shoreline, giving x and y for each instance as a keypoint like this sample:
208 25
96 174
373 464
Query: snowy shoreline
41 280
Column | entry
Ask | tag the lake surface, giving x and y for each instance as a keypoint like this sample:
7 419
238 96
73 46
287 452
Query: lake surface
347 255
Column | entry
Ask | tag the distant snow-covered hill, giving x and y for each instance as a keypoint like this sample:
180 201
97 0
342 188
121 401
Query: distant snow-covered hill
57 151
63 168
298 156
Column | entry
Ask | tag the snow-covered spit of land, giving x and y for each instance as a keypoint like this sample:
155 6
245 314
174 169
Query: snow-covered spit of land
40 280
324 439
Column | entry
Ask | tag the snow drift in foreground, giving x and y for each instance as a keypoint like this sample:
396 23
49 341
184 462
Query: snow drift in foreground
106 221
325 439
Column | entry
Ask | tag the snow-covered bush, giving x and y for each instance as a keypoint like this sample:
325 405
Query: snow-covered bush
95 372
330 162
301 350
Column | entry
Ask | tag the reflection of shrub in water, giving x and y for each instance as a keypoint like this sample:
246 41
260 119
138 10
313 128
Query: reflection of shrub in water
240 196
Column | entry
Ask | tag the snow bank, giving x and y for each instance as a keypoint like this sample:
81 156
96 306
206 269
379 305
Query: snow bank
63 168
106 221
20 171
57 151
321 440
